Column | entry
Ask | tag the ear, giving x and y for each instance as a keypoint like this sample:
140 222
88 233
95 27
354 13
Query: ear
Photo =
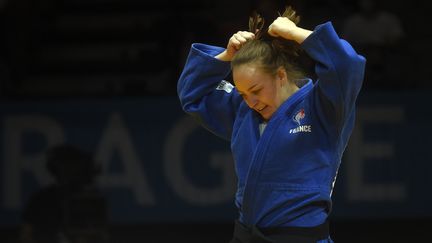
281 76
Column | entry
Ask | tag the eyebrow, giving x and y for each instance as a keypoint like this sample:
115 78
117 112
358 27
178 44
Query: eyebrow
251 87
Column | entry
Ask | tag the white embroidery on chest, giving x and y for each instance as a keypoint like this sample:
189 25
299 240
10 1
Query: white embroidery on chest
225 86
298 117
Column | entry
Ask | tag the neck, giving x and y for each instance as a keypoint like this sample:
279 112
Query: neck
289 89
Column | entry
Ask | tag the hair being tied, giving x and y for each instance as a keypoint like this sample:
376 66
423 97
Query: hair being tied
268 51
256 24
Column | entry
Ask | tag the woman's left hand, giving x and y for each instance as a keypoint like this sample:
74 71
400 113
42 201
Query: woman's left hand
287 29
282 27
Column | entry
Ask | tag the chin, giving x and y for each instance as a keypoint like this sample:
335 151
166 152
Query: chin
267 117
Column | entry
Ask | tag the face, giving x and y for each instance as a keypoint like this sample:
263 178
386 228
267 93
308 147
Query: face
261 91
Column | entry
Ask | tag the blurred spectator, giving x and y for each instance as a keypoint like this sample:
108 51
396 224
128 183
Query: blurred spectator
378 35
71 209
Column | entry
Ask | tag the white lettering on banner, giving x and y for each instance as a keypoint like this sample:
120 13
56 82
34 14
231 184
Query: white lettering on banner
359 150
117 138
183 187
15 161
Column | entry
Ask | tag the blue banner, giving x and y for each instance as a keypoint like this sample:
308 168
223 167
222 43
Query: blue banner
159 165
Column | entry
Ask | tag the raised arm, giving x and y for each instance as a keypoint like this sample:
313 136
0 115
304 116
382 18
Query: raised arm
202 90
339 68
204 94
340 72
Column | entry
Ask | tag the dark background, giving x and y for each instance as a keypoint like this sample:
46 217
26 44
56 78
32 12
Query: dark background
117 49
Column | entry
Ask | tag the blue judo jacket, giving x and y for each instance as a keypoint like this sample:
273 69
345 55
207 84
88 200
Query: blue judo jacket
286 175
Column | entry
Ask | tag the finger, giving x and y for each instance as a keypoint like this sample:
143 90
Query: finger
271 31
247 35
240 38
235 43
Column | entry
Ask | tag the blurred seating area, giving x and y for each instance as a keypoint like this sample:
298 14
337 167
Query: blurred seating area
137 48
134 50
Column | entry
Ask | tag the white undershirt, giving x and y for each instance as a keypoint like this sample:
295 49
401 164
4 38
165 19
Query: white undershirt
261 127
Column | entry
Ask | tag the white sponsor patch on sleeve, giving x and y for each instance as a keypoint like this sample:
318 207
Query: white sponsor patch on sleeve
226 86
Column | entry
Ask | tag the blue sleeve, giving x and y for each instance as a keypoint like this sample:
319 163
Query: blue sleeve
340 72
205 94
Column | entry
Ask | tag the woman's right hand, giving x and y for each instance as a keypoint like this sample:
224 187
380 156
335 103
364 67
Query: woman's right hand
234 44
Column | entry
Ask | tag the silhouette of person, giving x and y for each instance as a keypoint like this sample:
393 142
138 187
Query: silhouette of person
71 209
378 34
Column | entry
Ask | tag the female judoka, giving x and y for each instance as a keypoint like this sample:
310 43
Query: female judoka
287 131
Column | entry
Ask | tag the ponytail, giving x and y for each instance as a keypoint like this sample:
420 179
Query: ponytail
268 51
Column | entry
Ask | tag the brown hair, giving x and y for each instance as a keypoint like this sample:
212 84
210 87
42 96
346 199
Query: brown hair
270 52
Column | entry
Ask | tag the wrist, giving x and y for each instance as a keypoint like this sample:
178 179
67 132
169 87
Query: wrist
301 34
223 56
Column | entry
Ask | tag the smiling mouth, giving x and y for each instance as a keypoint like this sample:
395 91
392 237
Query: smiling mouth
261 108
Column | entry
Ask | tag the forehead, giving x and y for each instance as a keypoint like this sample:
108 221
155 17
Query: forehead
248 75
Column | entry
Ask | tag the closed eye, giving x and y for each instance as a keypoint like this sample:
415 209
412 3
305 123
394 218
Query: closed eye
256 91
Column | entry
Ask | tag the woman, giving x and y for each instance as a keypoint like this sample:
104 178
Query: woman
287 132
